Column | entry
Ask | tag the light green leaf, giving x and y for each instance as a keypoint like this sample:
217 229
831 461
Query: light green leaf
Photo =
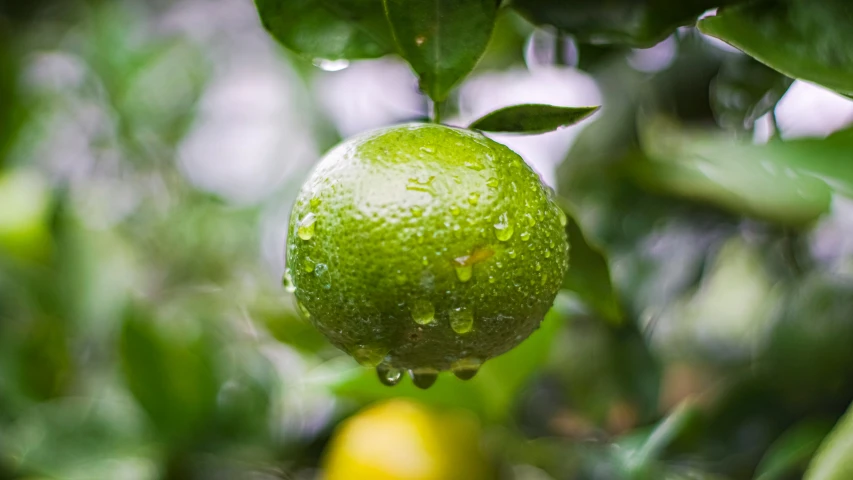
589 274
531 118
791 452
834 460
328 29
490 393
803 39
441 39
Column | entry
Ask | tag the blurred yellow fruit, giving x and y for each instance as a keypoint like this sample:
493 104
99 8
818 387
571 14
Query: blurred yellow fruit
404 440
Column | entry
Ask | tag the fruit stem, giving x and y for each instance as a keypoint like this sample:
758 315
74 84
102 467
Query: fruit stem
436 111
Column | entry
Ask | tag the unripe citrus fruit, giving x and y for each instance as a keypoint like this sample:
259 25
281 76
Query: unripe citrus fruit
426 248
403 440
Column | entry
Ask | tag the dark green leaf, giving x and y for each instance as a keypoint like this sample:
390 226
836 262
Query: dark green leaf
531 118
328 29
744 90
789 455
170 373
589 274
803 39
637 23
833 460
441 39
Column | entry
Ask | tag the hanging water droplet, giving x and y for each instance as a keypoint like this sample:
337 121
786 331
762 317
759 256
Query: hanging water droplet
330 65
461 320
464 272
423 312
473 198
389 376
302 309
492 182
423 379
466 368
525 236
503 228
417 211
369 356
308 265
511 253
305 230
530 220
288 281
561 215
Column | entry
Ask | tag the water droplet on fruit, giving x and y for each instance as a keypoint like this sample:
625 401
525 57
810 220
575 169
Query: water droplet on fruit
461 320
492 279
547 253
454 210
537 267
477 166
427 149
305 230
474 198
288 281
464 272
321 271
525 236
308 265
389 376
302 309
315 202
423 312
492 182
561 215
511 253
530 220
540 215
369 356
417 211
421 185
423 379
503 228
466 368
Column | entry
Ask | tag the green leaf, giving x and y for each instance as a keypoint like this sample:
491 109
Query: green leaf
441 39
531 118
637 23
833 460
744 90
589 273
328 29
171 373
803 39
789 455
490 394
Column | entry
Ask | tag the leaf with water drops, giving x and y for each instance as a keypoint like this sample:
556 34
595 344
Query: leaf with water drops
441 39
328 31
531 118
588 275
803 39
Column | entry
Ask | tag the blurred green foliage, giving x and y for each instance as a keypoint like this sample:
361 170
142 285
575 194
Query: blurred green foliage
705 327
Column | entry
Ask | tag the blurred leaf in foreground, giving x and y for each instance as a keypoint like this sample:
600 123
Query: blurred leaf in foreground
833 460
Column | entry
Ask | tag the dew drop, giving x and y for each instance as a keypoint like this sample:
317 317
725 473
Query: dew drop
473 198
454 210
561 215
461 320
308 265
288 281
417 211
530 220
389 376
547 253
420 185
511 253
466 368
492 279
423 379
305 230
302 309
503 229
423 312
369 356
427 149
315 202
477 166
525 236
321 271
538 266
464 272
540 215
424 261
499 264
492 182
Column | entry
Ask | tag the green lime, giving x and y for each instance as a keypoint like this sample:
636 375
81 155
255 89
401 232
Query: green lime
423 247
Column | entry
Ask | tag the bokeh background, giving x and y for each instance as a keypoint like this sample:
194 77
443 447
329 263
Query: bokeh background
149 155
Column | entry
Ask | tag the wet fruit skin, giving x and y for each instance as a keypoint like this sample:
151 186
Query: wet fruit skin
398 220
